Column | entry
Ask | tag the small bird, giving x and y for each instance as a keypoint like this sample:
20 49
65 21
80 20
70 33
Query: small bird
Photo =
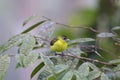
59 44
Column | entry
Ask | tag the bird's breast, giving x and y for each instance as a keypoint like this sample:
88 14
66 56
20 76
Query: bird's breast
59 46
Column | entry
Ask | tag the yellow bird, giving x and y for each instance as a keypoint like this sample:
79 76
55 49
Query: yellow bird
59 44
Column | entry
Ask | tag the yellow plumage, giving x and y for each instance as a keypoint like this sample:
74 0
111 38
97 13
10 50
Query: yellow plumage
59 45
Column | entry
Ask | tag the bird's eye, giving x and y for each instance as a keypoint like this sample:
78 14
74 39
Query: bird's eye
64 37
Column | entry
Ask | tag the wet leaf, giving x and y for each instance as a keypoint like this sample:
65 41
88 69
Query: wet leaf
60 67
27 45
75 50
4 64
94 74
116 61
48 62
105 34
30 59
117 75
116 28
74 63
33 26
47 29
80 40
58 76
104 77
117 68
25 42
26 61
43 75
92 66
84 69
68 76
51 77
14 41
79 76
28 20
38 68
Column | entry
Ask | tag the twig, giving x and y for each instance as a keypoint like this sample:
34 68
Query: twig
94 48
72 26
107 51
81 58
88 59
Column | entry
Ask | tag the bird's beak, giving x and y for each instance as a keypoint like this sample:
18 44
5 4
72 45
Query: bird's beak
67 40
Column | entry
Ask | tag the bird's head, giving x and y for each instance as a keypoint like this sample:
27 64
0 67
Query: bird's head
63 37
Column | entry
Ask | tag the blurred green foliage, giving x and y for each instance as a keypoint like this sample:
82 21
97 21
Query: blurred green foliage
85 17
90 56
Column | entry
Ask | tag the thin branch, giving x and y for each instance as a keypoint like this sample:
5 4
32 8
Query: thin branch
93 48
107 51
81 58
88 59
65 25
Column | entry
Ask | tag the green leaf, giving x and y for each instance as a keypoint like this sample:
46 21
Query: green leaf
74 77
33 26
14 41
105 34
84 72
117 68
79 76
74 63
48 62
58 76
26 61
43 75
106 69
84 69
60 67
92 66
94 74
68 76
80 40
4 64
75 50
76 73
30 59
47 30
116 61
27 45
20 59
117 75
104 77
38 68
116 28
28 20
51 77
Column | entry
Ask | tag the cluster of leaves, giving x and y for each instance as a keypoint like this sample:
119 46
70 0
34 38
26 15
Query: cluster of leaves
54 67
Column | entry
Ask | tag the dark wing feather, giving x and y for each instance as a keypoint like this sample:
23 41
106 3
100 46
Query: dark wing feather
53 41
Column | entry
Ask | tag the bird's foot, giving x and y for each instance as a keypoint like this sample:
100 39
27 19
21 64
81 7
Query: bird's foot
55 53
62 54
